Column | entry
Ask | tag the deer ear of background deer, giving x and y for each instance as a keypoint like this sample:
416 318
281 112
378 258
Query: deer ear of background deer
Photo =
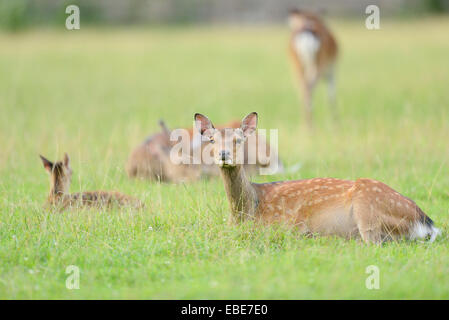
164 128
48 165
249 124
66 160
202 123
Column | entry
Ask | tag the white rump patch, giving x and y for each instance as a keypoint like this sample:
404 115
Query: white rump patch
307 46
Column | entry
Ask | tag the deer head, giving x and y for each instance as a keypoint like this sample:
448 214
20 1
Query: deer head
60 174
226 145
298 19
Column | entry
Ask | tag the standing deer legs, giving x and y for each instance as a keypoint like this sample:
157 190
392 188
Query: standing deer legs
331 90
308 87
308 104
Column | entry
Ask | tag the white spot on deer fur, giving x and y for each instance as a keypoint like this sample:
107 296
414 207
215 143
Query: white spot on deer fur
399 204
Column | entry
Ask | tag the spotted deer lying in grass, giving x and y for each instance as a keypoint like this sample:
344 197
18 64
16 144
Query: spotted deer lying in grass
59 196
313 50
325 206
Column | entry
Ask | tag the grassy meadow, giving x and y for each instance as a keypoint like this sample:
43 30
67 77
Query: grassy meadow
97 93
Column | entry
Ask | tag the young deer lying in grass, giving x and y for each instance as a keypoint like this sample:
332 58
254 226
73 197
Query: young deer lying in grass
60 178
327 206
313 50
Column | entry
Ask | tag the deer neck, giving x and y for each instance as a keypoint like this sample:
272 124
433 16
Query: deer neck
241 193
57 193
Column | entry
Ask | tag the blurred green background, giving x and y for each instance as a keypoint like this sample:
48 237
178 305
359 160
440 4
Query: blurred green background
20 14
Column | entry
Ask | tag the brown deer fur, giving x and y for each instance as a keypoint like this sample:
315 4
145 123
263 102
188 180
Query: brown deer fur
326 206
59 196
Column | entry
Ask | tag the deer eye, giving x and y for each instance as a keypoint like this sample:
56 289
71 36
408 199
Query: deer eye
211 140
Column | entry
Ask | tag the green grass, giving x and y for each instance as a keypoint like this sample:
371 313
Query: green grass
97 93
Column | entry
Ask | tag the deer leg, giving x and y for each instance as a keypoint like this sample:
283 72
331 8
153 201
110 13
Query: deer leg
331 91
308 91
368 222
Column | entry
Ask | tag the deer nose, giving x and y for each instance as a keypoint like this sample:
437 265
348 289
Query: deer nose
224 155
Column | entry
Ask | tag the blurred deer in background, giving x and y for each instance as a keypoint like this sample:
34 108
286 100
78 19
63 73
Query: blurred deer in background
313 50
363 208
59 196
149 159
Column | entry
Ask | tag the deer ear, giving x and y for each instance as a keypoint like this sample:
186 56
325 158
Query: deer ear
66 160
164 128
48 165
249 124
202 123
